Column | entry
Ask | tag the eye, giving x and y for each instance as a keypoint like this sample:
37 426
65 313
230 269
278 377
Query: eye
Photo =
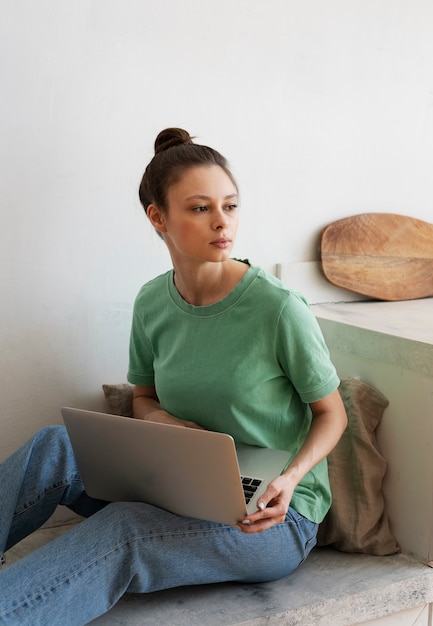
231 207
200 209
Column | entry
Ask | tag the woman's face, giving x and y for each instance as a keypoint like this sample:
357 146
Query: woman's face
202 217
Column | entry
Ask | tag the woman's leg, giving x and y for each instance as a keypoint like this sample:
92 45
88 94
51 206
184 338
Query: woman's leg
34 480
140 548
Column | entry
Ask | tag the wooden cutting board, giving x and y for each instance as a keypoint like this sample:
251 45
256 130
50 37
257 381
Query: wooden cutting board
380 255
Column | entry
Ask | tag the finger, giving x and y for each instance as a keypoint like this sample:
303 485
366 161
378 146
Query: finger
188 424
259 526
262 519
277 510
268 497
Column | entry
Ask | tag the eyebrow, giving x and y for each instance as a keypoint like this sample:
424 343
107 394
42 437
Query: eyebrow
199 196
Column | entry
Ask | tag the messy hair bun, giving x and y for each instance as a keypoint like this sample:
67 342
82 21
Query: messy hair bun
175 152
171 137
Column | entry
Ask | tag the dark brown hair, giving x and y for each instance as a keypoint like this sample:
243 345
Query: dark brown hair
175 153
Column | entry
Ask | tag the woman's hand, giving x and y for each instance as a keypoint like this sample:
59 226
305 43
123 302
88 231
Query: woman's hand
146 407
161 416
274 504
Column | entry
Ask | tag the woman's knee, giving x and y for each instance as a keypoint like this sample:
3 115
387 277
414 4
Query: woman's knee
52 437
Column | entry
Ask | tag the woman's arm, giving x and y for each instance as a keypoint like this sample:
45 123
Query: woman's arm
146 406
328 424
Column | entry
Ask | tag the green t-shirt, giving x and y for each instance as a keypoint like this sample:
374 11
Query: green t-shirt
247 365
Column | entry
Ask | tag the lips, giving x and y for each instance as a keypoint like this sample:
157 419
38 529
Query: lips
221 243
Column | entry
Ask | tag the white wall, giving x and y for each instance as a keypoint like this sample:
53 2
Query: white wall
325 109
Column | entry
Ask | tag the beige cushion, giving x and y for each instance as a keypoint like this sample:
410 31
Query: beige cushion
357 520
119 398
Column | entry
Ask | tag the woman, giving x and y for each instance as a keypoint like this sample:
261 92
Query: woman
216 343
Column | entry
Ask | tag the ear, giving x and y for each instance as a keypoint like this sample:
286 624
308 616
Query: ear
156 218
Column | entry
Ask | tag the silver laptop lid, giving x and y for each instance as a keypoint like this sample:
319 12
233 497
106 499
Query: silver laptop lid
190 472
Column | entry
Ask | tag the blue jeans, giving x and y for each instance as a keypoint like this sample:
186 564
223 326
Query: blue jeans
120 547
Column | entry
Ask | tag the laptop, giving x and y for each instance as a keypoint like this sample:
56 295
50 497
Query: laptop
190 472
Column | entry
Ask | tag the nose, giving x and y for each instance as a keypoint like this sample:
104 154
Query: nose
220 220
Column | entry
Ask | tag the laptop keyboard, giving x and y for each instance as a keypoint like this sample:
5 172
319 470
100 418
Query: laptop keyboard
250 486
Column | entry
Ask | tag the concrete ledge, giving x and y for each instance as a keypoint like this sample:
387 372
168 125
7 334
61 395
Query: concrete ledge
329 589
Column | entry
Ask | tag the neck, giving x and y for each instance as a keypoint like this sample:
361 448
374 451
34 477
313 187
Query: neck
208 283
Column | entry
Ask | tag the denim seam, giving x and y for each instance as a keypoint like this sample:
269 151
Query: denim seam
51 489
